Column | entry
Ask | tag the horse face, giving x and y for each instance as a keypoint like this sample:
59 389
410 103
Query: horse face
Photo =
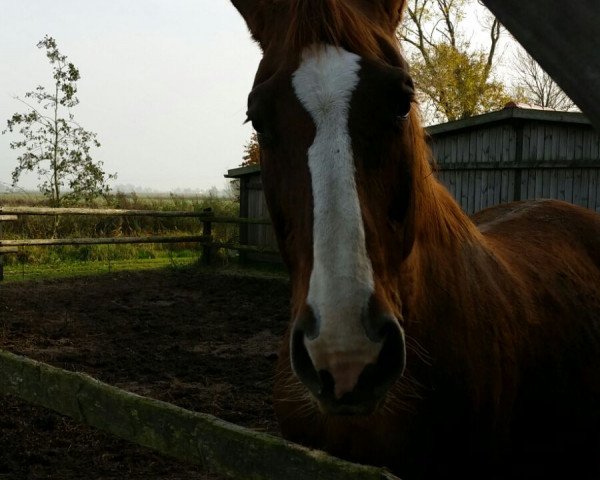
334 130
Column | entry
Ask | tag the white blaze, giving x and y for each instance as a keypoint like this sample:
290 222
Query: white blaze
341 281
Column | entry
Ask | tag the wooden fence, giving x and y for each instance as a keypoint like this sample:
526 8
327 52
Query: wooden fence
206 240
220 447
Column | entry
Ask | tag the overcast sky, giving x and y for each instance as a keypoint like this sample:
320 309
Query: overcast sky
164 83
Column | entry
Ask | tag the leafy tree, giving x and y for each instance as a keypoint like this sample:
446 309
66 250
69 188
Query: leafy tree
454 79
52 143
251 152
537 87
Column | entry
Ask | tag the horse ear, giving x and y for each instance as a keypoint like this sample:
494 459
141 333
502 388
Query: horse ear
394 10
251 10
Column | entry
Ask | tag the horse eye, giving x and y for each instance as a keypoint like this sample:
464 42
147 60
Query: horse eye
402 116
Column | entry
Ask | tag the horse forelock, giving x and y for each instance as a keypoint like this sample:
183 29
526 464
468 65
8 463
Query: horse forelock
338 23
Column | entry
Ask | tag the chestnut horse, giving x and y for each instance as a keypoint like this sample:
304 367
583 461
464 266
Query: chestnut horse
423 340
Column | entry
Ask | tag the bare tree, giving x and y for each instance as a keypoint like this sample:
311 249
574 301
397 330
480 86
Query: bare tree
537 86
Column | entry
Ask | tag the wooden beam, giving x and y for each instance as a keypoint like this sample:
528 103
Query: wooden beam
127 213
8 218
220 447
5 250
40 242
564 38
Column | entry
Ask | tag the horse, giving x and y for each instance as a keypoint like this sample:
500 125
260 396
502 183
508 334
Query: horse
421 339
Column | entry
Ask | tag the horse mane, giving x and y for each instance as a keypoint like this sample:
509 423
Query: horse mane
338 23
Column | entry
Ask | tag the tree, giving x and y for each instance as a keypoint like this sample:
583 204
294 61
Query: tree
52 143
537 86
454 80
251 152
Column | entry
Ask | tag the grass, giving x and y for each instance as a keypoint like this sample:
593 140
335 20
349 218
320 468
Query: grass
37 262
26 272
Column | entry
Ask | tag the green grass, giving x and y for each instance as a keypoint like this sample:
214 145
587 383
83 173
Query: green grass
26 272
38 262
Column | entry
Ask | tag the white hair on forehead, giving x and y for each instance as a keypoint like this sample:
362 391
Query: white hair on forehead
341 282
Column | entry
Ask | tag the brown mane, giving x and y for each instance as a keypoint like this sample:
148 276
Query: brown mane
337 23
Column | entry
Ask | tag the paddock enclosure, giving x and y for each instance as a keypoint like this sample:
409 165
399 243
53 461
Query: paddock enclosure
201 341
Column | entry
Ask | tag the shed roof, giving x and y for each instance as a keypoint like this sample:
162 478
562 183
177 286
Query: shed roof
242 171
509 114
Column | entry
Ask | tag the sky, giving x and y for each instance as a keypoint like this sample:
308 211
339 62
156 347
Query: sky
163 84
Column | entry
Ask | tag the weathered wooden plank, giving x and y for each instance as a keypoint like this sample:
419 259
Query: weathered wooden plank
595 146
561 184
539 186
464 147
505 189
9 218
6 250
218 446
526 153
473 147
499 154
492 141
485 145
104 241
595 191
569 174
458 186
477 193
471 195
563 144
540 132
546 181
548 142
128 213
454 149
587 144
553 188
464 196
577 186
505 145
585 188
578 144
571 134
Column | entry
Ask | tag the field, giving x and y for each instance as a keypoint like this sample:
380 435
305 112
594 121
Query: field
36 262
196 338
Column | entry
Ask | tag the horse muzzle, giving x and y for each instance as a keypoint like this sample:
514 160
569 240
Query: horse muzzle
349 378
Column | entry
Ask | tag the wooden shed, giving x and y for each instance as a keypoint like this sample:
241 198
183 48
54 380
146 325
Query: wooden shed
518 154
498 157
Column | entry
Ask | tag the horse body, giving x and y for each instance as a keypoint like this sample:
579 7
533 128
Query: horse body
503 335
423 340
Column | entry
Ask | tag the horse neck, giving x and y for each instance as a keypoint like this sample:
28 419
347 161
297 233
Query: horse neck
446 245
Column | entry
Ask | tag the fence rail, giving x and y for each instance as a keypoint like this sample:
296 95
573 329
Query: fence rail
206 217
220 447
114 212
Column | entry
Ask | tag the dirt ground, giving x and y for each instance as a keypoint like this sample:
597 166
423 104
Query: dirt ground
204 341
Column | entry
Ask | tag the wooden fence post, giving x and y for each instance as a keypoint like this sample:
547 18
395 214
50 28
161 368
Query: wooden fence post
5 218
1 256
207 232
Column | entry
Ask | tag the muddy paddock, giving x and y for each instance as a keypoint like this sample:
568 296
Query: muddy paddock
203 341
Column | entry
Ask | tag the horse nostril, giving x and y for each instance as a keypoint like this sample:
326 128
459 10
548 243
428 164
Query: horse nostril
302 364
379 377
